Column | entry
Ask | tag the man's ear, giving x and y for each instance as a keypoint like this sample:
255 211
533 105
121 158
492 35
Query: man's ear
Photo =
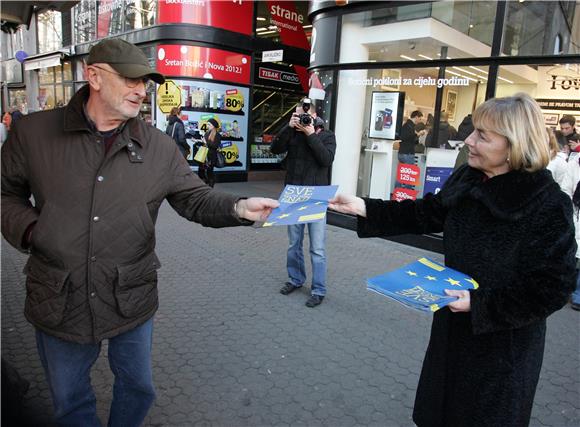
92 77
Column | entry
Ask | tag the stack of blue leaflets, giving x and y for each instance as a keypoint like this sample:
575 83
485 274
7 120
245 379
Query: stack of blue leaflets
301 204
421 285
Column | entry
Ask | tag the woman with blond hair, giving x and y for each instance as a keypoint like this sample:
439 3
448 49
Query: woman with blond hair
506 224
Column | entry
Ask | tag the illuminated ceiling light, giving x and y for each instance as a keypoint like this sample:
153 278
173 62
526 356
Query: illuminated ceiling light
478 69
259 18
272 27
470 25
505 80
465 71
307 26
268 32
407 57
460 75
262 29
426 57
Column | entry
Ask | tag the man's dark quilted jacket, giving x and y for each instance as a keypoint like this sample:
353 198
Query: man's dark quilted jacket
92 271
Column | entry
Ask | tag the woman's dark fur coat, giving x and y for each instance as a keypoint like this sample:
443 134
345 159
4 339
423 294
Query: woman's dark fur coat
514 235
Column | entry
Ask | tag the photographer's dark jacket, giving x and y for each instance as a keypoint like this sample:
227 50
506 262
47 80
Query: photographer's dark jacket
92 271
309 158
514 235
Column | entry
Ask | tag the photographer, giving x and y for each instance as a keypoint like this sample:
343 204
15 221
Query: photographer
310 153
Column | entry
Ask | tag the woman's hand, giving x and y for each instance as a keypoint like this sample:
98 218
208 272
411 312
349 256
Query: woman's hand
345 203
463 304
255 208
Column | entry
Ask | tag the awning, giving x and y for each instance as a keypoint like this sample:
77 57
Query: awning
43 62
16 13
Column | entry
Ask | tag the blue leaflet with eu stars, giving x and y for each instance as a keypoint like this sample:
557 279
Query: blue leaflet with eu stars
421 285
300 204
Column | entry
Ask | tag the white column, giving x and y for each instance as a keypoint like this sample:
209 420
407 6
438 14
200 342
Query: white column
349 111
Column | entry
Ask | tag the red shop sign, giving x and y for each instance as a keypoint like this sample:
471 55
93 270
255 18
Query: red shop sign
289 21
400 194
408 174
196 61
230 15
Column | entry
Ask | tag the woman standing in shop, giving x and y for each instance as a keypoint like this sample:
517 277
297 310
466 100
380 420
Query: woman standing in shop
212 140
506 224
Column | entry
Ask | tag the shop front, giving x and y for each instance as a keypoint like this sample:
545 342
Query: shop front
442 59
212 51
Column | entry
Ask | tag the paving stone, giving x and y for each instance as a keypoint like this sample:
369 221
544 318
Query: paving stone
230 350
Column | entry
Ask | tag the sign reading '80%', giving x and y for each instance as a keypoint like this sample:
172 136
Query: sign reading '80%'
168 96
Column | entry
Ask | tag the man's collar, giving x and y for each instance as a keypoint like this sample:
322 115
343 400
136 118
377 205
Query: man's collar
75 118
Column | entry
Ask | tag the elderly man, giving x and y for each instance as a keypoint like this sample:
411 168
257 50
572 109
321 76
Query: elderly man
98 175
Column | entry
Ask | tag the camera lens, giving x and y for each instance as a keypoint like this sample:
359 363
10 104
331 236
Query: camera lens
305 119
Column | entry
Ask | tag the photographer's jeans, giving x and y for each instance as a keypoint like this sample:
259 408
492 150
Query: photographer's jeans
67 366
295 260
408 159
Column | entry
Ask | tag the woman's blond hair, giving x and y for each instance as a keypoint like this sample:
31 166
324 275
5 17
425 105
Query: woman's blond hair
552 143
519 119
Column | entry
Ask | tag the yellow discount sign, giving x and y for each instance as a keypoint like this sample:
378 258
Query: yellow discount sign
203 120
234 100
231 153
168 96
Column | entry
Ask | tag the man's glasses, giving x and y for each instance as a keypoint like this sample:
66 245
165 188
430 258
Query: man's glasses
132 82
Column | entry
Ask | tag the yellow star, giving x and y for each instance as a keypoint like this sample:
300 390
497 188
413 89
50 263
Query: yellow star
411 273
268 224
473 282
453 282
430 278
303 208
283 216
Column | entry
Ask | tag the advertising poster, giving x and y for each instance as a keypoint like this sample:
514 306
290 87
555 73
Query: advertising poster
435 178
384 110
228 15
203 62
204 100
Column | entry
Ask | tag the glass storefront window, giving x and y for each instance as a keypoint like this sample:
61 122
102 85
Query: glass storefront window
140 14
49 27
55 86
85 21
538 27
17 100
554 86
454 30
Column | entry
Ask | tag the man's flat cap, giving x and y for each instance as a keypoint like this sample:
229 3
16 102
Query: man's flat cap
125 58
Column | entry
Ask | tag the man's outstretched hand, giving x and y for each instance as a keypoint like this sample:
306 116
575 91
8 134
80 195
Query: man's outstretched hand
256 208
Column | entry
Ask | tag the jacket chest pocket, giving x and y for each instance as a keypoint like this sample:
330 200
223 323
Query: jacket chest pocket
46 293
136 288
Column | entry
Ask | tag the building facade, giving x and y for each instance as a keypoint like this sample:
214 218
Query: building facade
210 51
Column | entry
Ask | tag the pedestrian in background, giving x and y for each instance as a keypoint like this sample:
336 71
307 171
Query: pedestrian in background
310 153
409 138
176 130
213 141
558 158
506 224
571 186
98 176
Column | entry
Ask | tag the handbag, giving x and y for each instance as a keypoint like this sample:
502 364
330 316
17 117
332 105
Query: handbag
201 154
220 159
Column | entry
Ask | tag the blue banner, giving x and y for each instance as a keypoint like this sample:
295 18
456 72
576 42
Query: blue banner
435 178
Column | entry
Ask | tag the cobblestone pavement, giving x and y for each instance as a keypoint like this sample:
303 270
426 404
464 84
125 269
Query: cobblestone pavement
229 350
